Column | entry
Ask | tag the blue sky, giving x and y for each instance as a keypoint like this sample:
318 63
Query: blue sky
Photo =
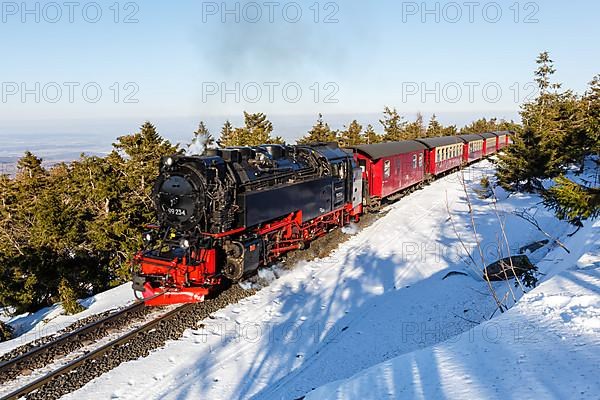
173 60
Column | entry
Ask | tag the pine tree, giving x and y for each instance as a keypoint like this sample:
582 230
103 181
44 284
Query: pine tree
227 137
449 131
523 163
202 140
352 135
543 116
6 332
256 131
539 152
591 111
416 129
68 298
319 133
435 128
572 201
394 126
370 136
479 126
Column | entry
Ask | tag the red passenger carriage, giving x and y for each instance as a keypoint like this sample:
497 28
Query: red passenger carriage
443 154
389 168
503 138
490 145
473 148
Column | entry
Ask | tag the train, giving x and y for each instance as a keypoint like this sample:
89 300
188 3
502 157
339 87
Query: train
223 215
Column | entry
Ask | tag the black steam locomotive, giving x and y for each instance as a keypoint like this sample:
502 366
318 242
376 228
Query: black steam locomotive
224 214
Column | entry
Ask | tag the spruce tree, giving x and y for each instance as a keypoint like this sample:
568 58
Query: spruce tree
573 202
6 332
351 135
591 111
539 152
68 298
201 141
435 128
319 133
227 137
370 136
416 129
394 126
257 130
523 163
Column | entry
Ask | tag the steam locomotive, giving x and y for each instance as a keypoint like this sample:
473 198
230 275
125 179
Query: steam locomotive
224 214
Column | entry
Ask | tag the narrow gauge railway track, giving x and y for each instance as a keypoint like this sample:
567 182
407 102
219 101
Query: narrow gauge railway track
130 346
44 354
95 354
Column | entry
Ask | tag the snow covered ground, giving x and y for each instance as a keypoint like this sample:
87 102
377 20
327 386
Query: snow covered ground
376 319
547 346
49 320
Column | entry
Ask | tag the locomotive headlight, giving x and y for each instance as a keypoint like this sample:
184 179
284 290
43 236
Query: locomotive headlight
169 162
185 244
148 238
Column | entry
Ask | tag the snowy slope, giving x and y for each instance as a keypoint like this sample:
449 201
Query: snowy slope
378 296
50 320
547 346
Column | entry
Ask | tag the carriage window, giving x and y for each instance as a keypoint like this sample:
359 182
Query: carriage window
438 157
414 161
420 160
387 169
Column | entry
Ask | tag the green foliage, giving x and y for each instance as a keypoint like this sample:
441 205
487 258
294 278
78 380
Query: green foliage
257 130
435 128
370 136
559 128
80 222
68 298
523 164
572 202
394 126
6 332
485 191
351 135
415 129
319 133
202 140
492 125
227 135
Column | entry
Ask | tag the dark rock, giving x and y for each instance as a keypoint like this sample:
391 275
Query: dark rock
505 269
